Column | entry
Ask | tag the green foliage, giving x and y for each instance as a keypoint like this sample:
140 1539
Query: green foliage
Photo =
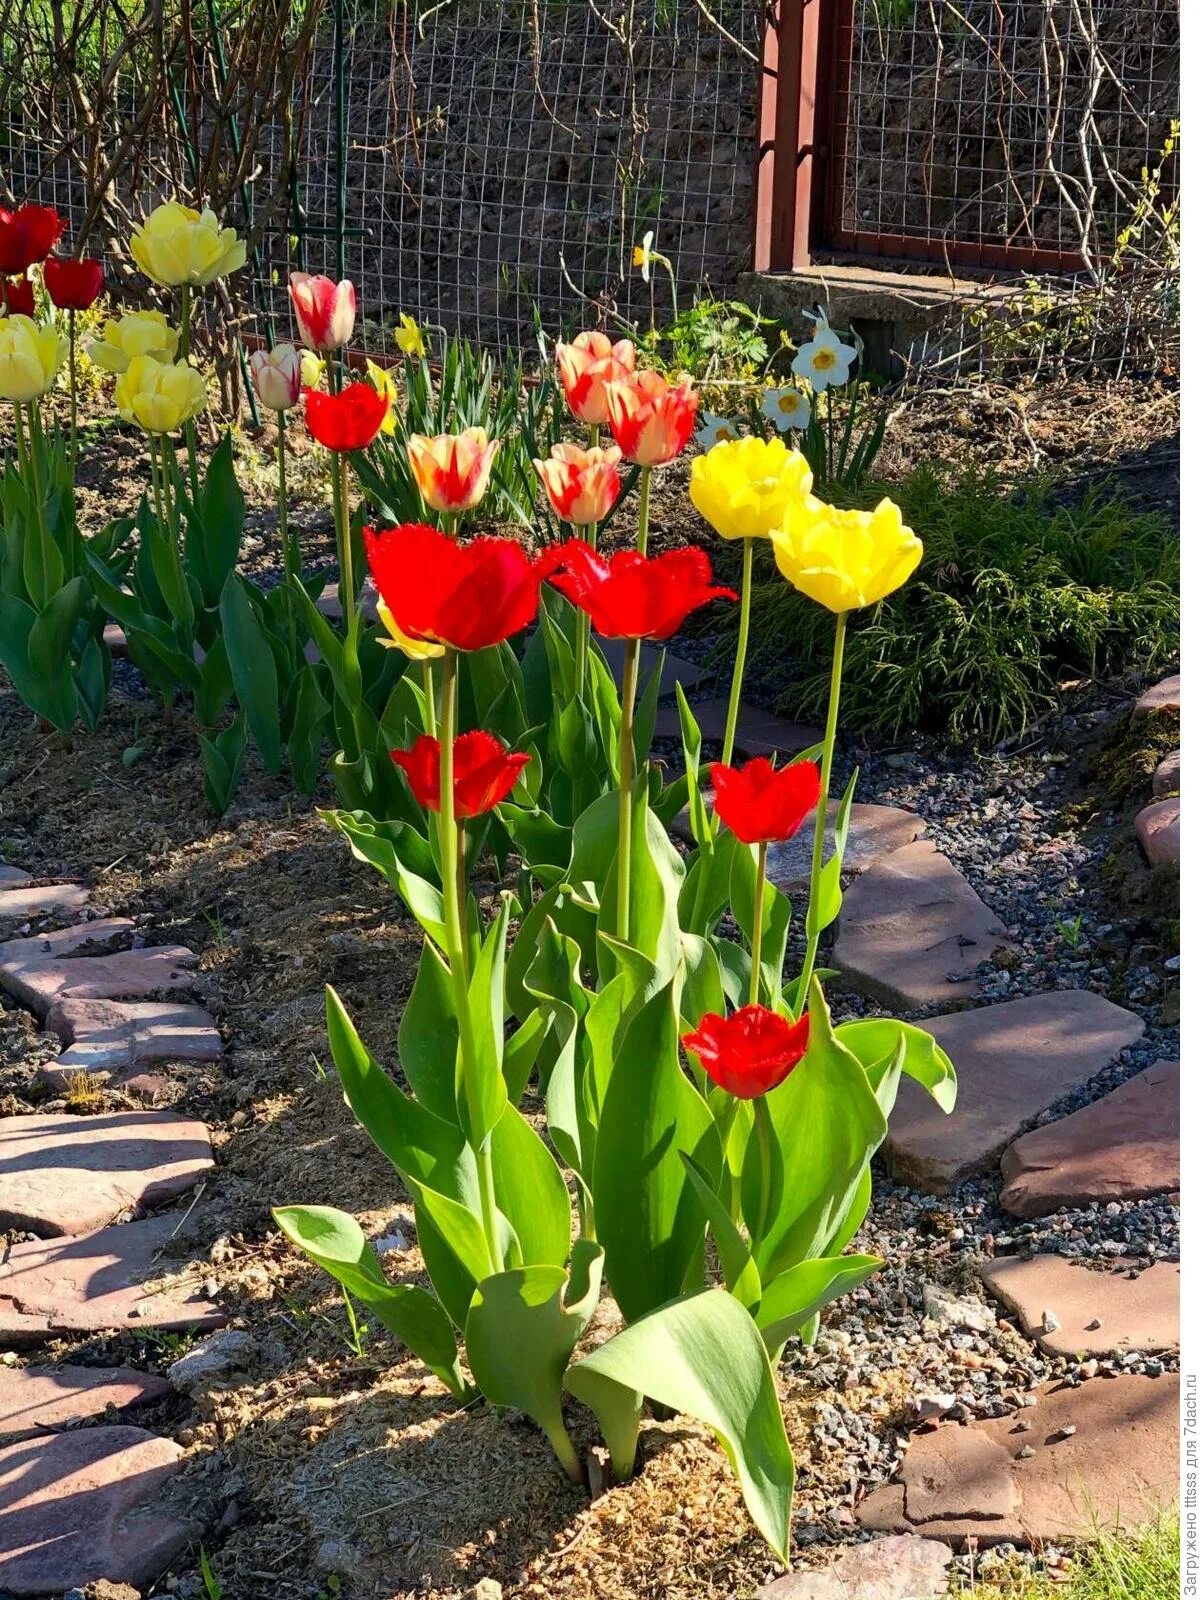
1014 588
712 339
1110 1566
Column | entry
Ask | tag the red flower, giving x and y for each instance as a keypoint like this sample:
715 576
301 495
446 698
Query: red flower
750 1052
16 297
484 772
345 421
73 285
27 236
468 595
635 596
761 804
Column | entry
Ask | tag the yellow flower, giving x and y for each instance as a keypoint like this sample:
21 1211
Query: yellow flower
160 396
384 384
138 333
414 649
176 245
845 559
408 337
312 369
29 358
744 487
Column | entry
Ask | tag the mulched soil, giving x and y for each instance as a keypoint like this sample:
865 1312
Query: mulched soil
335 1467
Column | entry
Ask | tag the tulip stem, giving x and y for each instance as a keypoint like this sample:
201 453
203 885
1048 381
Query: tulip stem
762 1136
625 795
811 927
341 515
430 697
185 349
35 472
288 544
760 890
456 943
22 453
583 623
644 513
739 663
74 395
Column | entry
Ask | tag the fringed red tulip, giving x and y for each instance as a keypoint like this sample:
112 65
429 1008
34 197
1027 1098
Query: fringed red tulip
749 1053
762 804
484 772
633 596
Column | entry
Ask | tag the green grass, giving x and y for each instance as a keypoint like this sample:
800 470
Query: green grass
1016 590
1143 1566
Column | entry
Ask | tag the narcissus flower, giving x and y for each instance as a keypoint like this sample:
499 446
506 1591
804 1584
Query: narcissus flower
138 333
160 396
16 297
635 596
324 310
762 804
29 358
484 772
348 420
749 1053
787 408
584 367
581 485
73 285
414 649
743 488
276 376
715 430
452 469
825 361
312 369
385 385
176 246
27 236
468 595
409 339
651 419
845 559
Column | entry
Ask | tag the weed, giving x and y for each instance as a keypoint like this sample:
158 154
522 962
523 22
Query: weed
212 1584
1140 1566
1071 929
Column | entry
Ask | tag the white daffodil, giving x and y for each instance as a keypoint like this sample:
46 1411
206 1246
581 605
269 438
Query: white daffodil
643 254
824 361
786 408
714 430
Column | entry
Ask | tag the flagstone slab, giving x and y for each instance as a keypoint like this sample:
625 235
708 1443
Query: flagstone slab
1115 1467
1158 830
98 1282
61 1174
1124 1146
902 1566
10 877
911 929
875 832
1013 1061
103 933
37 1400
329 602
1163 696
20 903
759 732
119 1035
675 668
83 1506
1166 775
1070 1309
38 981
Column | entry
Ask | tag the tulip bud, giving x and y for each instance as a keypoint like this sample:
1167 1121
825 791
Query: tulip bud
324 310
29 358
159 396
276 376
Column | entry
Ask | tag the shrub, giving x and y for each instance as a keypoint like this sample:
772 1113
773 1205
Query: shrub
1015 587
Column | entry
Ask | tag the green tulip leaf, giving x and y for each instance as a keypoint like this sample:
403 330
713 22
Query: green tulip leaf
874 1041
252 666
796 1296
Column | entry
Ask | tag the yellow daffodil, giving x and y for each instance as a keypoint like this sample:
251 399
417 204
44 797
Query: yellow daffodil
176 245
845 559
137 333
409 339
414 649
160 396
384 384
744 487
29 358
312 369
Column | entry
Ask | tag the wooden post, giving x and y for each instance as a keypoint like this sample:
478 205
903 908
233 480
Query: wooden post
791 136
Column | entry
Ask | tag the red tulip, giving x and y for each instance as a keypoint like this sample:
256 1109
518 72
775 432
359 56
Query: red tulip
650 418
484 772
348 420
27 236
749 1053
73 285
16 297
635 596
585 366
761 804
467 595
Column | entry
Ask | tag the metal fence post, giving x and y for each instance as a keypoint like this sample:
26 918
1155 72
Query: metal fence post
793 148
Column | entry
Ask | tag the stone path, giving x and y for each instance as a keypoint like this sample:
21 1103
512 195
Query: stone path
901 1567
84 1503
1070 1309
1163 696
759 732
1158 831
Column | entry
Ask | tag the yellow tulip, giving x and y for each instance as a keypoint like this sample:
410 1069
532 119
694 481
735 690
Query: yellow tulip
29 358
744 487
138 333
312 369
414 649
384 384
176 245
845 559
409 340
160 396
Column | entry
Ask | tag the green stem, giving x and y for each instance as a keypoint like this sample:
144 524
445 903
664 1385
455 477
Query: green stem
74 395
35 470
583 623
185 350
564 1449
288 543
456 942
644 513
762 1135
430 698
625 796
835 694
739 662
760 889
350 617
22 451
